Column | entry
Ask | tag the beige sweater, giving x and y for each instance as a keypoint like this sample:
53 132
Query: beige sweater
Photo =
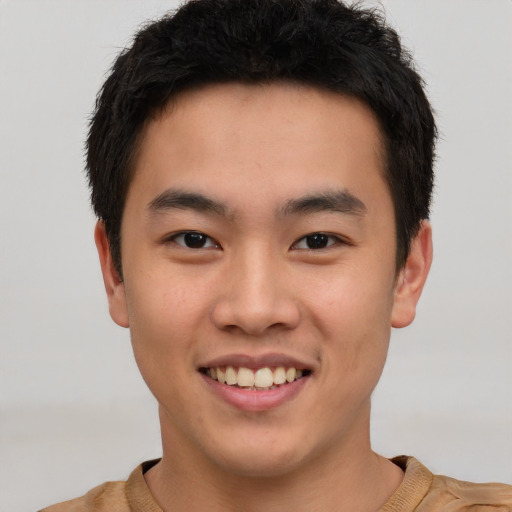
420 491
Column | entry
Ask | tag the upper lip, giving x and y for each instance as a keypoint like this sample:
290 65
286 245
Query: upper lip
258 361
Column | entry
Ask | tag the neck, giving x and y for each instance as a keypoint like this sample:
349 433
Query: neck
344 478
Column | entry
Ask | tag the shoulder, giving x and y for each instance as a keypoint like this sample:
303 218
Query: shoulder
110 496
132 495
455 495
422 491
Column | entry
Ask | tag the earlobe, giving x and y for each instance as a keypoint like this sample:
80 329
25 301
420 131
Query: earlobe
114 286
412 277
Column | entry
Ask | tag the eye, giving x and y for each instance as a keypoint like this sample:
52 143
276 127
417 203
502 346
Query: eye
316 241
194 240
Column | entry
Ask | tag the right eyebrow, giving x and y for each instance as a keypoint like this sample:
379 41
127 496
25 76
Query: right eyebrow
184 200
340 201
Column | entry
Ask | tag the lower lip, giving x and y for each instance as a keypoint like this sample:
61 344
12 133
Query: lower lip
253 400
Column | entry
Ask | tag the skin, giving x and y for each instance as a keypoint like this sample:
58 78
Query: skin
256 288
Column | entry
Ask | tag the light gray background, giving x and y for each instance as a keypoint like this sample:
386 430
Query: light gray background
74 411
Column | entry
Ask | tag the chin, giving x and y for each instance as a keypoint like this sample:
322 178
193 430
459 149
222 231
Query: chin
260 460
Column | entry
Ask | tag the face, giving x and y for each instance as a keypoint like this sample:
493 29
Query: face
258 244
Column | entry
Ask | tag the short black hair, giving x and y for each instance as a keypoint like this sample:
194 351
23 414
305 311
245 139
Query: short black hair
322 43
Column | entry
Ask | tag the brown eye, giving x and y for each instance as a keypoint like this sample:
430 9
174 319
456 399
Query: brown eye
316 241
194 240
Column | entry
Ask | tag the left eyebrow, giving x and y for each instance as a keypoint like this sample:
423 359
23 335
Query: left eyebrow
339 201
185 200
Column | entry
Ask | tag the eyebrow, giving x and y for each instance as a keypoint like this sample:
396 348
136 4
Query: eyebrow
183 200
341 201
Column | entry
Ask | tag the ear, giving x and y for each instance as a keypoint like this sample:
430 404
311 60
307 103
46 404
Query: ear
412 277
114 286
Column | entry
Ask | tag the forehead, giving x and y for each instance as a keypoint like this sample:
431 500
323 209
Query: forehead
272 136
253 108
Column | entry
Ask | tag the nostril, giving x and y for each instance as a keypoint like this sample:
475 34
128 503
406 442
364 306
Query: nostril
255 318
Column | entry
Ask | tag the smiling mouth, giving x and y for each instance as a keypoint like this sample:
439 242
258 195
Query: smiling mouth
261 379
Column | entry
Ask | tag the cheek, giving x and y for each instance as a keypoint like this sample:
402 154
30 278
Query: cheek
164 302
353 315
165 321
351 300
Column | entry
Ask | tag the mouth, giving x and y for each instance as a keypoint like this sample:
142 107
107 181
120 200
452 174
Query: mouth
256 379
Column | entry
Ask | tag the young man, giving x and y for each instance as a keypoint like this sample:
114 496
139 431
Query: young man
262 174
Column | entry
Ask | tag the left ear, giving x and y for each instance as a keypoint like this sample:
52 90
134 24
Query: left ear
412 277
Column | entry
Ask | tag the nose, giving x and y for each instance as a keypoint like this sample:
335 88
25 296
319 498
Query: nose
255 296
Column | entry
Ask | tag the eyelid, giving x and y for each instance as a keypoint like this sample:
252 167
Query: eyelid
211 242
337 240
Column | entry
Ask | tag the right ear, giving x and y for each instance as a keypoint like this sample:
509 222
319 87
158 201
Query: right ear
114 285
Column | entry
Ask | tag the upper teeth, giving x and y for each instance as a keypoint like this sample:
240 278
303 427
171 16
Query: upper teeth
262 378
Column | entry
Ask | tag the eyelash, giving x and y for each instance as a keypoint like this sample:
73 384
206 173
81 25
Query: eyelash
313 238
181 235
331 240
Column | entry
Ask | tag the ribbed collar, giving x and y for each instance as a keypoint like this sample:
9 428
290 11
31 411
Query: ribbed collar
406 498
414 487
